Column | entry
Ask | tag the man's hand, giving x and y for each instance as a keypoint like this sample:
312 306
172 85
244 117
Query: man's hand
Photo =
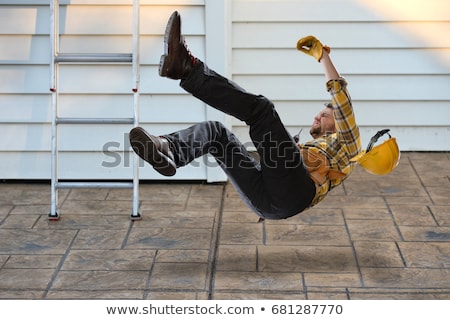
311 46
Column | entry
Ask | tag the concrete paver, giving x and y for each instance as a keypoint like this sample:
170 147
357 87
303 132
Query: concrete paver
373 238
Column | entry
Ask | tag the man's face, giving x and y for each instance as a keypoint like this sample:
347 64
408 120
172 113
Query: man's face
323 123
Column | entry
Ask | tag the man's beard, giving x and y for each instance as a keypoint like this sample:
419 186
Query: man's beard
315 132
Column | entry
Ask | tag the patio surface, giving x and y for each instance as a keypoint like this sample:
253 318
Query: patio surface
372 238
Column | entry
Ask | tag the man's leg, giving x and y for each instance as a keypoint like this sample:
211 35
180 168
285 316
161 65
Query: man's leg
243 170
285 178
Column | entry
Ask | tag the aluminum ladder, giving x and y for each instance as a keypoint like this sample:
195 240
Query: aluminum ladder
57 58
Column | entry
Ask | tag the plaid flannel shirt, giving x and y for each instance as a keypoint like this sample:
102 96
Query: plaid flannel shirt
341 146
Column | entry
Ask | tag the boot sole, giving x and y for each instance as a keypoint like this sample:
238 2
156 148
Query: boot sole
163 65
165 57
147 148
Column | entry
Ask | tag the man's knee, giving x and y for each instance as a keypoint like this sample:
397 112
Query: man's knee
264 104
215 127
262 108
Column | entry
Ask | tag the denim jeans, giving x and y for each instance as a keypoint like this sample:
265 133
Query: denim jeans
277 185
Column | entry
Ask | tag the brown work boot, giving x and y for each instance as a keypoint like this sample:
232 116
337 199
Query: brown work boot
154 150
177 61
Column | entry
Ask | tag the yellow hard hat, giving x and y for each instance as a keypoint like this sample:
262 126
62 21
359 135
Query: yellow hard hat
380 159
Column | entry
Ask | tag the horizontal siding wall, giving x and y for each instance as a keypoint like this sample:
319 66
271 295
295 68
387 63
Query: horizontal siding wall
90 90
395 56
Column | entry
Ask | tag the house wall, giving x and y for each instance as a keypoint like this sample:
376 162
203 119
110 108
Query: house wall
96 90
395 56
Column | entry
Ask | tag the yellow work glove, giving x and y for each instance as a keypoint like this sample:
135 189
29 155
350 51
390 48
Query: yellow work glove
311 46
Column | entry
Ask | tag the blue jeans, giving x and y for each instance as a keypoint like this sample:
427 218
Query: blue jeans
278 185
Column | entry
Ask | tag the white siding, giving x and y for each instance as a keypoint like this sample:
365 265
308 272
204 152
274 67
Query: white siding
394 54
92 90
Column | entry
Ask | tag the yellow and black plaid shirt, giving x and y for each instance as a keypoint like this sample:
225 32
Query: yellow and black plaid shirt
339 147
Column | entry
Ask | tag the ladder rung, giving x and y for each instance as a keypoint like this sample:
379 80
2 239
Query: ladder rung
94 57
106 185
94 120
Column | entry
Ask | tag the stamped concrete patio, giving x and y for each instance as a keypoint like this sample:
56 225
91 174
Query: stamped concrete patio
374 238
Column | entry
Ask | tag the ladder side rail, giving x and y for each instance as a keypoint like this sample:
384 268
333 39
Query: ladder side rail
135 215
54 45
